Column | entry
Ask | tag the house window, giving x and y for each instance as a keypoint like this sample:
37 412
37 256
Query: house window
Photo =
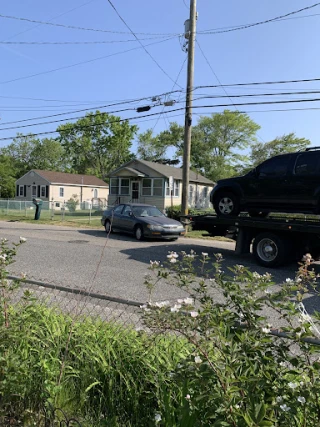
191 189
147 187
157 187
61 192
176 189
114 186
152 187
57 205
95 193
43 191
21 190
124 186
205 192
34 191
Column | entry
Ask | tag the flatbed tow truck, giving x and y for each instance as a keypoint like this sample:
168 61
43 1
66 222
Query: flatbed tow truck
275 240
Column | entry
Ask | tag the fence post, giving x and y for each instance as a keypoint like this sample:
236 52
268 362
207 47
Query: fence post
52 209
25 208
90 209
8 207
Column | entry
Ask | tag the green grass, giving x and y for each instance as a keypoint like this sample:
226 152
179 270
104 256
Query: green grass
112 376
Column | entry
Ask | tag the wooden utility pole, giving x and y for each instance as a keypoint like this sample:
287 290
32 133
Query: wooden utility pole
191 35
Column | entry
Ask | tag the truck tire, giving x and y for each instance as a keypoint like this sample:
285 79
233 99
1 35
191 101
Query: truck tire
226 204
270 250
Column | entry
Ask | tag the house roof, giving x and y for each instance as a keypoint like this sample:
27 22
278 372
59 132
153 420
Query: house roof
164 170
70 178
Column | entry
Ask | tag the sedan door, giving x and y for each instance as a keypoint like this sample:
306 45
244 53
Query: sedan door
128 221
116 217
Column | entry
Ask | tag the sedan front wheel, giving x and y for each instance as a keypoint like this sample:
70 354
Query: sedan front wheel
138 232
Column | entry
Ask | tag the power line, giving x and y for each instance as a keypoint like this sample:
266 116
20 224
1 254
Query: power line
73 27
223 88
214 30
69 118
260 83
88 109
76 42
138 40
81 63
179 109
55 17
171 92
267 21
88 126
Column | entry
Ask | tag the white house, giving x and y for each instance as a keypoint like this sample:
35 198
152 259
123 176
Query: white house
149 182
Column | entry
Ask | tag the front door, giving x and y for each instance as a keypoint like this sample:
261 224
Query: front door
135 191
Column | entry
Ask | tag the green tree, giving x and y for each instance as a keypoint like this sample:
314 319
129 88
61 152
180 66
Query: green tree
217 142
48 154
150 147
7 177
285 144
97 143
28 152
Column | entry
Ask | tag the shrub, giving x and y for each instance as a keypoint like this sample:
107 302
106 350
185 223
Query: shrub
72 203
238 374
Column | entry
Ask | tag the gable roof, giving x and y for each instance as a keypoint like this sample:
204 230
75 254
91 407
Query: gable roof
70 178
164 170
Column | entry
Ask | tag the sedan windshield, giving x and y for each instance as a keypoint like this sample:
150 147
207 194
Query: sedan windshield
146 211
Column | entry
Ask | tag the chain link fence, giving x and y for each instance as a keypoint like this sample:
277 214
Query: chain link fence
59 211
79 303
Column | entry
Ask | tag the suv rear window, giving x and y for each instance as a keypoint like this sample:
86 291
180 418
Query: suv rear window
307 164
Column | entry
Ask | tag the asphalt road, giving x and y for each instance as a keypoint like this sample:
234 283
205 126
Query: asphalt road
86 259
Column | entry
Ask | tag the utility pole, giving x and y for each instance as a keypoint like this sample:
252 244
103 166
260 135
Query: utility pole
191 35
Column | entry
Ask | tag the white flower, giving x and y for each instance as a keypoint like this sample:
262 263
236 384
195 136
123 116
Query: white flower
283 364
194 313
204 254
285 408
188 301
279 399
237 406
292 385
162 304
188 397
197 359
154 263
267 291
157 418
173 260
288 280
3 257
175 308
301 399
256 275
22 239
173 255
266 330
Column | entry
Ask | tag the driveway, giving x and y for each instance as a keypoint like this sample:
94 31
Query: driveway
86 259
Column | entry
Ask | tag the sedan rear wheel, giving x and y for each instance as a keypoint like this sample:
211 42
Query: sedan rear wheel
138 232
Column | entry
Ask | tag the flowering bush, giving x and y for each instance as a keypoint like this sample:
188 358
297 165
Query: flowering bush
240 373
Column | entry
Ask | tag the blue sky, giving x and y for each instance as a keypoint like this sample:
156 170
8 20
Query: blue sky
283 50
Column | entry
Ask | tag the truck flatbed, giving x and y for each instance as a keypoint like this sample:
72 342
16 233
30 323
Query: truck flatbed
275 240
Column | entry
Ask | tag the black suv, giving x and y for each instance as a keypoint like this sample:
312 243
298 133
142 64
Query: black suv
285 183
